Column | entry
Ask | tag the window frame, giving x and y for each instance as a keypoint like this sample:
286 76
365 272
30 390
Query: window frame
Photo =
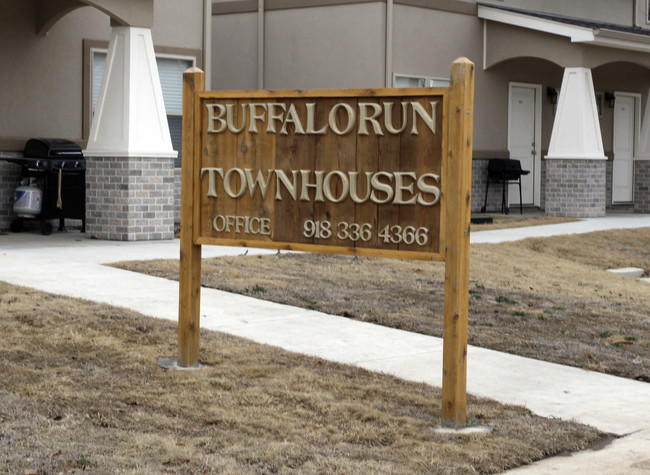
429 81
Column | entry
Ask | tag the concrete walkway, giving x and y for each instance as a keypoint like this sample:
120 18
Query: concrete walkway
612 221
70 264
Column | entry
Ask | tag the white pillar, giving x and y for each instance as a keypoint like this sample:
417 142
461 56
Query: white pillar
130 118
576 129
576 165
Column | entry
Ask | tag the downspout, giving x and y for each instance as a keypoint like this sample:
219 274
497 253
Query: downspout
485 39
207 43
388 81
260 44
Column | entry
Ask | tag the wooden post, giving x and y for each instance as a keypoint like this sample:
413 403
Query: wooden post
458 217
190 255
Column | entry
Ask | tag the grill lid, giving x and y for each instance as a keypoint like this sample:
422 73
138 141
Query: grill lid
52 148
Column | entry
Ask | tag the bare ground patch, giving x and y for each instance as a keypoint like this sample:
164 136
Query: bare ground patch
544 298
81 391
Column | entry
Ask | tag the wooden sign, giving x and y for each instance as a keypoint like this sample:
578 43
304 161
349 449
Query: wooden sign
346 172
362 172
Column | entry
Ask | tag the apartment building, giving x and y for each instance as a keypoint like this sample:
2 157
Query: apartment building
560 86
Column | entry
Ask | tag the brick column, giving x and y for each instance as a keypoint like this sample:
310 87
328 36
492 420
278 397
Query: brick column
130 158
575 188
642 186
576 166
177 195
9 180
130 198
608 187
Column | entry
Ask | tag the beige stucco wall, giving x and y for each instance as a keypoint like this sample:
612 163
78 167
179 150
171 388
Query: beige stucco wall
426 42
42 77
304 48
325 47
234 51
178 24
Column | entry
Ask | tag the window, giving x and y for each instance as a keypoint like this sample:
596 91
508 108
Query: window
403 80
170 70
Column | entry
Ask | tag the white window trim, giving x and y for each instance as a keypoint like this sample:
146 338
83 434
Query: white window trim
429 81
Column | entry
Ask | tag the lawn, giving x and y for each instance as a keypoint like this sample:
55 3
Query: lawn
82 390
545 298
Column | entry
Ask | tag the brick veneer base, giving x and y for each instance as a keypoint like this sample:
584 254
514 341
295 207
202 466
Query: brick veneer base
575 188
177 195
642 186
129 198
608 181
479 181
10 174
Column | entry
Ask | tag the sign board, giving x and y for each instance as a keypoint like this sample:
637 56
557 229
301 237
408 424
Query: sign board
381 172
348 172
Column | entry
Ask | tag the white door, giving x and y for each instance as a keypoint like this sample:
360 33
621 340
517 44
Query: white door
623 168
524 131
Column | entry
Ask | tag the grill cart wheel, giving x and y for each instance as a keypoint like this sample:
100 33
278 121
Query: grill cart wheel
46 228
16 225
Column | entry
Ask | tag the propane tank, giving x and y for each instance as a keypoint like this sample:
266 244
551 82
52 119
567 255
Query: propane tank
28 199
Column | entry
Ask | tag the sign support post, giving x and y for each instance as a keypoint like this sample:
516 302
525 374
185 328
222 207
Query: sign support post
458 219
190 254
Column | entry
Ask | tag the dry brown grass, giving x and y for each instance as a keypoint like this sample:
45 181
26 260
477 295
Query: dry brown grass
515 220
545 298
82 390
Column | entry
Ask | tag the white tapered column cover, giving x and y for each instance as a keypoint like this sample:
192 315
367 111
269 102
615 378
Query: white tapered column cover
576 130
130 119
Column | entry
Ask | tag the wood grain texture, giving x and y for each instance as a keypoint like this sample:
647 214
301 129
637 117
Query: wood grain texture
264 151
190 253
458 217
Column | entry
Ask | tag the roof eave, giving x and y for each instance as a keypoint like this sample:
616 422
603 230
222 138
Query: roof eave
577 34
621 40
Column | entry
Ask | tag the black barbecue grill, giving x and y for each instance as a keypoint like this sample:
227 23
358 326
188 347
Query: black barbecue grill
60 167
506 172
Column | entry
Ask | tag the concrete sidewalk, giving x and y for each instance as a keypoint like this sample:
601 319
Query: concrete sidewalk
612 221
70 264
